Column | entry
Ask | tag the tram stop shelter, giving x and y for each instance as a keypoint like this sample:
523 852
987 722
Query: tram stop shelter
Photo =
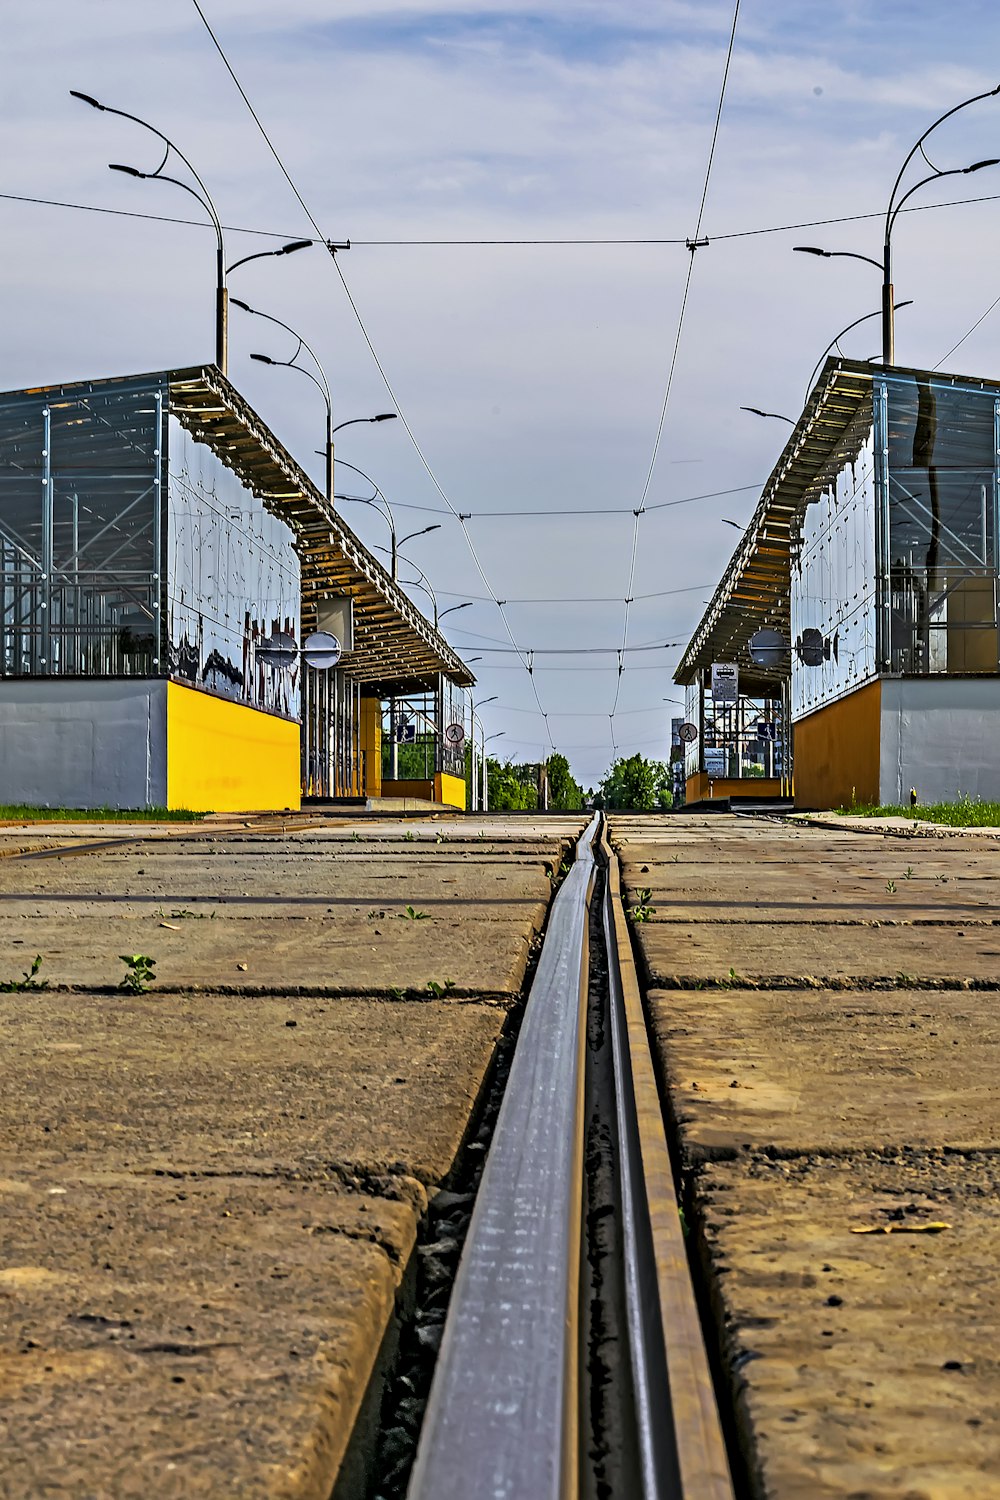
154 534
872 555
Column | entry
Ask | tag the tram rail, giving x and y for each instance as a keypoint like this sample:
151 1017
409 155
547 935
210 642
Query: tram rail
509 1414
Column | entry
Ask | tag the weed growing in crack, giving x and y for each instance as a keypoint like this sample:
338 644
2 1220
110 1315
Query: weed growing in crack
140 971
641 911
29 982
890 887
412 915
440 990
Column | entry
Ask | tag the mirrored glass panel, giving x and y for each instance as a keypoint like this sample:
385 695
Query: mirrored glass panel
232 581
941 511
80 531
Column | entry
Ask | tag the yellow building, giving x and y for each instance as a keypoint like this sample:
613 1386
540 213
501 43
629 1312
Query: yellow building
156 543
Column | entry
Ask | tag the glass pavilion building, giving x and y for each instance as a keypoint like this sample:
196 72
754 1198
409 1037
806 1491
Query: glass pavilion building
153 534
873 552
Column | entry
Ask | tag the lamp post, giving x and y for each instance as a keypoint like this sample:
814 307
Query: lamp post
321 384
396 555
834 342
288 249
366 500
486 774
203 197
479 784
892 212
383 416
776 414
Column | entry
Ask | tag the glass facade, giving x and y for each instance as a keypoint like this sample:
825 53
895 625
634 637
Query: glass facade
100 578
938 525
894 568
232 581
81 533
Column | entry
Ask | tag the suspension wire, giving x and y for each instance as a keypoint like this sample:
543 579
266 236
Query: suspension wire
371 348
274 234
693 245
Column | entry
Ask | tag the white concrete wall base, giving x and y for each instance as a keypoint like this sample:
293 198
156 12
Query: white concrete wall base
69 742
940 735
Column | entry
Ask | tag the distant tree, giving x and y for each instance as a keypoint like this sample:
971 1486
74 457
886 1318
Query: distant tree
511 787
637 784
565 794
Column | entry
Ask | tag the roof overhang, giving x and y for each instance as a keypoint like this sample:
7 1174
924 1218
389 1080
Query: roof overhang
754 589
396 649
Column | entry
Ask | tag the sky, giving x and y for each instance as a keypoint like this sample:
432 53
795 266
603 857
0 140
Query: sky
531 376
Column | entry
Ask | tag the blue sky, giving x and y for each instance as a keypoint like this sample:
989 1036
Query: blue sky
532 376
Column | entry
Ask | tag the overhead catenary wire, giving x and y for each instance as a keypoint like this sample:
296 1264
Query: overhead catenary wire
693 245
565 242
371 348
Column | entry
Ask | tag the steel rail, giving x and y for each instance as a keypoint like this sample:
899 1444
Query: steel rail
503 1418
501 1422
682 1448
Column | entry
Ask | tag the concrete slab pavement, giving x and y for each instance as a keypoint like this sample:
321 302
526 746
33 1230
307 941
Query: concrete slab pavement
861 1365
211 1200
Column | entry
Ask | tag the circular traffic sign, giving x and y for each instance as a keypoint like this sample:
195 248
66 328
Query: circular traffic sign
321 650
688 733
455 734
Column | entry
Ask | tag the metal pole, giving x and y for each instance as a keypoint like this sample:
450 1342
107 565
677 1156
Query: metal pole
393 745
888 317
329 454
221 313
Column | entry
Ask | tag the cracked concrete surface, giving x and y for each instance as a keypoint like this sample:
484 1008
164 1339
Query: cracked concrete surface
210 1200
862 1366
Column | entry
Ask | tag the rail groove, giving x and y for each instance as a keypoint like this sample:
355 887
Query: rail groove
505 1419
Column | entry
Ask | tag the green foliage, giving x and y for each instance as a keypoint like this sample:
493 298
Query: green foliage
642 911
29 982
412 915
511 787
140 971
19 812
440 990
637 784
565 794
967 812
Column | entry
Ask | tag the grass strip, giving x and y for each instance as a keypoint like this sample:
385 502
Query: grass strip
19 813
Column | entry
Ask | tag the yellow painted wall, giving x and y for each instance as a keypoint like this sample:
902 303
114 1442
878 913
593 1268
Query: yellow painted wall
449 789
422 789
226 757
699 788
371 745
836 751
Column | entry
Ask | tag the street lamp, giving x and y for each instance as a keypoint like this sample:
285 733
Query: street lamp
383 416
203 197
452 608
479 783
288 249
394 552
834 342
321 384
725 522
776 414
892 211
423 582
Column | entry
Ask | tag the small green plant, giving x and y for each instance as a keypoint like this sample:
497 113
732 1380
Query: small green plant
733 980
890 887
440 990
140 971
395 992
412 915
641 911
29 982
355 837
409 836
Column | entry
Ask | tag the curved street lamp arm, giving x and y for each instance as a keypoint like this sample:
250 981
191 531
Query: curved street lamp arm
263 254
159 176
124 114
857 322
289 364
325 385
933 177
989 94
